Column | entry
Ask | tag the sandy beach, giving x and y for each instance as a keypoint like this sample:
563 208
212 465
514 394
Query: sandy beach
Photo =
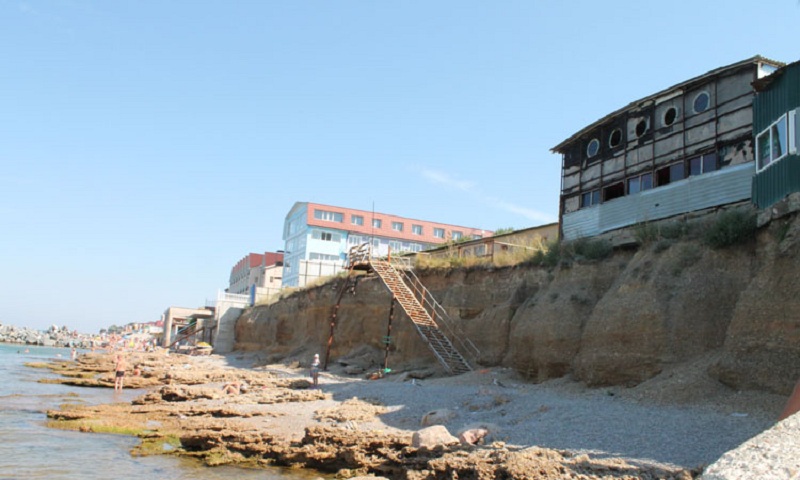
669 427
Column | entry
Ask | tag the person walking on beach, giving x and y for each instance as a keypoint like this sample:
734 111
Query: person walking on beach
74 354
119 372
315 370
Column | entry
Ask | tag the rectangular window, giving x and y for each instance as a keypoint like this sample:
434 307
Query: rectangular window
676 172
323 256
647 181
640 183
615 190
633 185
416 229
590 198
397 226
328 216
326 236
438 232
772 144
376 223
457 235
356 219
695 166
710 163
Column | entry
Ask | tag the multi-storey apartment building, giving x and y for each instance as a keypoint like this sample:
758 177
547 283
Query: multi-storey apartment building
318 238
257 275
687 148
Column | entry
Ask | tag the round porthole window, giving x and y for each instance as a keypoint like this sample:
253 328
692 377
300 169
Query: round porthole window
615 138
593 148
641 128
670 116
701 102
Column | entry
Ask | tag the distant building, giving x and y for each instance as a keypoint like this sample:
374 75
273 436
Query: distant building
318 238
775 116
257 275
687 148
524 239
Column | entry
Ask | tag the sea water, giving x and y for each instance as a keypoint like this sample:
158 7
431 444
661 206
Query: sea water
29 449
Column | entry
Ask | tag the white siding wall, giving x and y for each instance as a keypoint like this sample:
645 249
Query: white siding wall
724 186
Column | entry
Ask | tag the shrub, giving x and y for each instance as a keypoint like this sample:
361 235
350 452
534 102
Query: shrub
673 230
731 228
645 233
590 249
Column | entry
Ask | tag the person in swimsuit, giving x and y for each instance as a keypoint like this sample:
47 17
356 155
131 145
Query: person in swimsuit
119 372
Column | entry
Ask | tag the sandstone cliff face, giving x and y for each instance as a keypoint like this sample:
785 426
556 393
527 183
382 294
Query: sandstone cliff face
618 321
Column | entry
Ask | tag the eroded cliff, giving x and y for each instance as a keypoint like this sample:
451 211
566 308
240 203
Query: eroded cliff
618 321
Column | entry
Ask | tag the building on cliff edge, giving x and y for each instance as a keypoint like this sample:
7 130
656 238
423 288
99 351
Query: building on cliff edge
775 114
258 275
318 238
687 148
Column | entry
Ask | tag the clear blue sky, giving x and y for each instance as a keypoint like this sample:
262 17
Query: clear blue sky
146 146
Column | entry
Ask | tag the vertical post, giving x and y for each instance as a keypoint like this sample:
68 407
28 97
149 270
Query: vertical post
330 336
388 339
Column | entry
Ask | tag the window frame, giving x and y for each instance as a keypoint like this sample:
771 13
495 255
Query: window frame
592 195
416 229
592 152
697 96
788 126
397 226
438 232
377 223
328 216
357 220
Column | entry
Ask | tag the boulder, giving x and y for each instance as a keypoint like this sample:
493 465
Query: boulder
432 437
437 417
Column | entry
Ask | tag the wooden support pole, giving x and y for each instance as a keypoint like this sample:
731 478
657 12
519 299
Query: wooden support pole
388 339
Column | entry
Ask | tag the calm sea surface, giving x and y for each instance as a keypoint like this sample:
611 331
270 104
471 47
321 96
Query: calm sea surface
28 449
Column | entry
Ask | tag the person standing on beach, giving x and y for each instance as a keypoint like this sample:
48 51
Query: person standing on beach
315 370
119 372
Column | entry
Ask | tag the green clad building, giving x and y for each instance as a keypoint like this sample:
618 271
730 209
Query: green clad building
775 114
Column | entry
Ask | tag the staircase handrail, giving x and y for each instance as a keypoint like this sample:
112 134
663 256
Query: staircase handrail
433 307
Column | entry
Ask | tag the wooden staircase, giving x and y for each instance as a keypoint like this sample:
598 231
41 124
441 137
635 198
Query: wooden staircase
426 314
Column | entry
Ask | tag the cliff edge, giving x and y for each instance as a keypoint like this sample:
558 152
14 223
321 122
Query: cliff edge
621 320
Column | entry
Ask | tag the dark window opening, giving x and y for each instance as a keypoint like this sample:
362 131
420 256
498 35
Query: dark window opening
615 190
615 138
670 116
669 174
641 128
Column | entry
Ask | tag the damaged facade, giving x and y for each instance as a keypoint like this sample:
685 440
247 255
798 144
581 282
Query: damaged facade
686 148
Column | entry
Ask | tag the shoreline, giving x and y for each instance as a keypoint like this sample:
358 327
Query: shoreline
353 426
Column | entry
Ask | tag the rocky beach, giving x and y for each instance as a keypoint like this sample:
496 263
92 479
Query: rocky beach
417 424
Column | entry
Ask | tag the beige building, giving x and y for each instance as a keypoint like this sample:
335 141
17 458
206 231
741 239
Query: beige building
257 275
527 238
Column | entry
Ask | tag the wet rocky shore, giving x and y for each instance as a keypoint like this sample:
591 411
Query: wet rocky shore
278 420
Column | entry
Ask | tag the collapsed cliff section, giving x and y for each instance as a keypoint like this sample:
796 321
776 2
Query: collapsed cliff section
617 321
